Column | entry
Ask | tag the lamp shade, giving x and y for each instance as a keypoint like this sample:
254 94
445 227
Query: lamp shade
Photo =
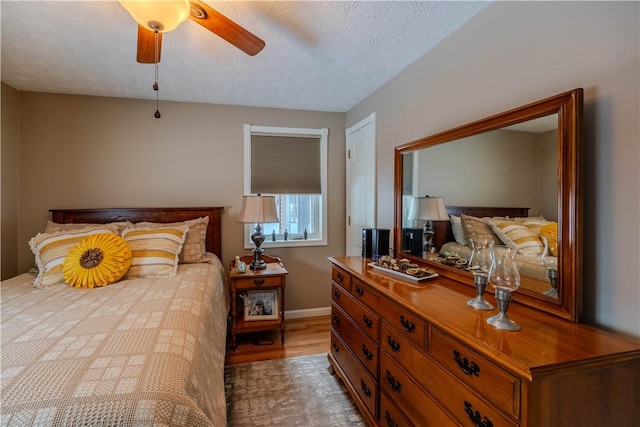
428 209
160 15
258 209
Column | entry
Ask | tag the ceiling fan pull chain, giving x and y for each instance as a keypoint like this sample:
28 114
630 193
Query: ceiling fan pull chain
155 83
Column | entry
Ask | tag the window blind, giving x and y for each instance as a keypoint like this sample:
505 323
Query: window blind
285 164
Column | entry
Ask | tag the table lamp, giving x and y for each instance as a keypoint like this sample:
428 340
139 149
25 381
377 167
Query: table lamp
428 209
256 210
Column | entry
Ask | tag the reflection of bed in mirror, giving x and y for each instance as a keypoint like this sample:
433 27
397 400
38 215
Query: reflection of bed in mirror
534 275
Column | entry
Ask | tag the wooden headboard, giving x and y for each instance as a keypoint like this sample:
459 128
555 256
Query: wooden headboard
102 216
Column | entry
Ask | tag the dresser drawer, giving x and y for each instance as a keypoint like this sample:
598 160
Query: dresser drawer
362 346
341 277
417 405
390 414
446 389
260 282
361 382
364 294
409 325
363 317
497 385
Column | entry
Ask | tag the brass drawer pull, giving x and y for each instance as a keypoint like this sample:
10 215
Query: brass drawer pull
366 390
475 417
465 366
336 319
408 325
359 291
366 352
393 345
368 322
393 383
258 282
389 419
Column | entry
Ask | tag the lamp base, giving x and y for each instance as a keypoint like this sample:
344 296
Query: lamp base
257 263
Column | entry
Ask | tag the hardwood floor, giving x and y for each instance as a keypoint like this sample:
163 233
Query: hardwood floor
302 337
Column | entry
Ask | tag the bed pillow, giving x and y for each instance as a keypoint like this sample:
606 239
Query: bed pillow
52 227
98 260
550 232
478 228
457 230
50 250
195 244
518 236
154 250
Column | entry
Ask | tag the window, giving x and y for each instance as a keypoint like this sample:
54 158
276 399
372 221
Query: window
291 164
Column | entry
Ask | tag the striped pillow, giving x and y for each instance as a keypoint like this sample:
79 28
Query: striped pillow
51 249
518 236
154 251
195 244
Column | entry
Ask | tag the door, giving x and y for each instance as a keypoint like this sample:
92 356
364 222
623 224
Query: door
361 189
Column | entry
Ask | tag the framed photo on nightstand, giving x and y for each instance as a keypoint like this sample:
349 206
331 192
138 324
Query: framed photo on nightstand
261 305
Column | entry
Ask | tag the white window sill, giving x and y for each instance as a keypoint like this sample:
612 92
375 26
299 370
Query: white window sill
287 244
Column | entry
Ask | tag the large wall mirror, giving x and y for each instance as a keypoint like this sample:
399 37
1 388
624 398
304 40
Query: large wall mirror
521 167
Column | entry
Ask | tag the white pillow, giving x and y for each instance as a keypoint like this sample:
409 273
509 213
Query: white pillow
458 231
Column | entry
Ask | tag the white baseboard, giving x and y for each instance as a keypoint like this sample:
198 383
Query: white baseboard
310 312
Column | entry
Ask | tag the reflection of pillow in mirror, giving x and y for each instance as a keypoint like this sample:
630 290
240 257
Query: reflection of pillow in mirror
550 231
457 230
518 236
478 228
528 218
535 225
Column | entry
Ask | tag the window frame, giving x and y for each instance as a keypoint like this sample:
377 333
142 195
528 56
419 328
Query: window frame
249 229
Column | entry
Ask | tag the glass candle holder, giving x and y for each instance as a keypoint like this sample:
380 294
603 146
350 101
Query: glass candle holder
505 279
479 265
550 262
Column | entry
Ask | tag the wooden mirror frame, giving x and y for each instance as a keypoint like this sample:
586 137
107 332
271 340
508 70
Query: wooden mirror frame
569 107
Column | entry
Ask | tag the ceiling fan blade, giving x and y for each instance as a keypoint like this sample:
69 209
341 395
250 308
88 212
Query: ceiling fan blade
225 28
146 45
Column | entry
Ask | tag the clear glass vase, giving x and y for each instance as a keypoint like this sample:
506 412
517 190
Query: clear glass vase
479 265
505 279
550 262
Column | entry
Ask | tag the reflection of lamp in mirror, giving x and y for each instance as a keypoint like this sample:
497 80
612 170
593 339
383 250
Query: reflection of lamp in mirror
479 265
256 210
428 209
550 262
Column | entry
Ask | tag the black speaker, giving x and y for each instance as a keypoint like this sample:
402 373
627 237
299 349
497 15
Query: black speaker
375 242
367 240
412 240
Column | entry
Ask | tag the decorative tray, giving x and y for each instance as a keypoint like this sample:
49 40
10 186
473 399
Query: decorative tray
401 274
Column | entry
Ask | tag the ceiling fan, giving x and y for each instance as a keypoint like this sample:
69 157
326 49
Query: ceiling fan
155 17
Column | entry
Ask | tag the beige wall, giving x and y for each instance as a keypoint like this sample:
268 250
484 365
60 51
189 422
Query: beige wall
82 152
9 179
513 53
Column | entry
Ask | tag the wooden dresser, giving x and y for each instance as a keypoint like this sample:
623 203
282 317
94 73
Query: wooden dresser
413 353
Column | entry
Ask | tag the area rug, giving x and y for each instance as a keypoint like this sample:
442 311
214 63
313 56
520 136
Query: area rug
296 391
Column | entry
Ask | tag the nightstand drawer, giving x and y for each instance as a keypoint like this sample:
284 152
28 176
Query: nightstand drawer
258 282
342 278
502 388
363 317
364 348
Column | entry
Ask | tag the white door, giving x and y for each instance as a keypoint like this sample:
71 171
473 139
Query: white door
361 189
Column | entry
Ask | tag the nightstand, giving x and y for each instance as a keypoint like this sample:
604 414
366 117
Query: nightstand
252 283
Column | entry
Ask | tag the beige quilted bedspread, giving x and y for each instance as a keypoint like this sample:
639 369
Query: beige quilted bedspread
141 352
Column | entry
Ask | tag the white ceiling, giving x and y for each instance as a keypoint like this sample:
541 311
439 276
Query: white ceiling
319 55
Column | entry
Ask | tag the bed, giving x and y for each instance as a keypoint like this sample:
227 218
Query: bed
143 351
503 224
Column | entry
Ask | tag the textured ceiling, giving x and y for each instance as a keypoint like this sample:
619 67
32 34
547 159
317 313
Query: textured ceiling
319 55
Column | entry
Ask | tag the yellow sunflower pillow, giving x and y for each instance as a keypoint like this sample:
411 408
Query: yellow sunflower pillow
550 231
98 260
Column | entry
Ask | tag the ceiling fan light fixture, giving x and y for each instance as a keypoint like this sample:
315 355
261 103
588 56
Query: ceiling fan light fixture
158 15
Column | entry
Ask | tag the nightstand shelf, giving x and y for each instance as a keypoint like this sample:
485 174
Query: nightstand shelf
272 278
